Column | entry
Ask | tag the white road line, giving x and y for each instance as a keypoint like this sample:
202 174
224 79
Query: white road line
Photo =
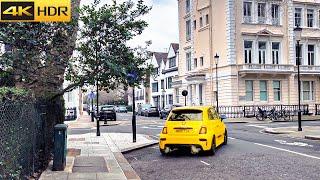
231 138
205 163
293 152
257 126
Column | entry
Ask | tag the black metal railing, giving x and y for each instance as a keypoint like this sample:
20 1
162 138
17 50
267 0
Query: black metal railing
251 110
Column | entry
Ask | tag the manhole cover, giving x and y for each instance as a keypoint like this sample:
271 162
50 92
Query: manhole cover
89 164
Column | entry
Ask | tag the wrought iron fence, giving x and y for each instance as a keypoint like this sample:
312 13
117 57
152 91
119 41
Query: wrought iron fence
26 137
250 111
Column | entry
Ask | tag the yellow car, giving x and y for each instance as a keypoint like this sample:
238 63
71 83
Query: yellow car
199 128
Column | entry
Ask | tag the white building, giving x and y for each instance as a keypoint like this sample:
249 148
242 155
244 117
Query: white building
73 99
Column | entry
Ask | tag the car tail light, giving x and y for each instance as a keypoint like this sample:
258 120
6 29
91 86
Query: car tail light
164 130
203 130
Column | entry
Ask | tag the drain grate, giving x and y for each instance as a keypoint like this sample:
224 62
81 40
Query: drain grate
93 164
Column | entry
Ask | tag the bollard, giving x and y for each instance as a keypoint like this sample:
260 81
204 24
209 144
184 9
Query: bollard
60 147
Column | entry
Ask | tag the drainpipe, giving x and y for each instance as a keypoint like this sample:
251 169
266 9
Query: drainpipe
211 51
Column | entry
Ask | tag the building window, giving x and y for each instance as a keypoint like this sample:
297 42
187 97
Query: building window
249 90
70 96
308 90
195 62
311 55
247 9
177 95
262 13
275 14
201 22
194 25
188 28
248 52
169 82
162 84
263 91
277 90
170 99
200 94
207 19
300 54
188 58
155 87
275 52
188 6
298 17
172 62
201 61
310 17
262 52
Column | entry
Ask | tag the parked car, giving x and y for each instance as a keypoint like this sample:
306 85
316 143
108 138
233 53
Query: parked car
122 109
151 111
198 128
141 109
163 113
108 112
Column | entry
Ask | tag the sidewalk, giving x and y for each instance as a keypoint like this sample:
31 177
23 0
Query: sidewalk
253 120
96 158
308 132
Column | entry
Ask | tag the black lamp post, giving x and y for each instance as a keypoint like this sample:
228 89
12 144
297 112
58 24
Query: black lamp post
216 59
298 32
132 77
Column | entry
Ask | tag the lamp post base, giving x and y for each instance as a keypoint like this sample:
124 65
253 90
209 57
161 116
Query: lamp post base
299 129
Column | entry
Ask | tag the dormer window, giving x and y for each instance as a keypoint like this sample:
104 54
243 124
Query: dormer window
172 62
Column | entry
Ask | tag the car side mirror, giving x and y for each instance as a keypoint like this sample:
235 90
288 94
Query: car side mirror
223 117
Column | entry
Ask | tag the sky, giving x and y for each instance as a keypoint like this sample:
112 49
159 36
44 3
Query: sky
163 24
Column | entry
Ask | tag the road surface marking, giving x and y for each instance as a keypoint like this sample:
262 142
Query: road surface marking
231 138
257 126
294 143
205 163
293 152
155 128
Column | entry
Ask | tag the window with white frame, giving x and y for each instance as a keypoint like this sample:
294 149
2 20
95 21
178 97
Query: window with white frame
275 52
307 90
249 90
247 12
188 30
200 94
275 14
188 59
177 95
172 62
188 6
310 17
248 52
201 22
263 91
262 52
262 13
298 17
170 97
277 90
207 19
311 55
169 82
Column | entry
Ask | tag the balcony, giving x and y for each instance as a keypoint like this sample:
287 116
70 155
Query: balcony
266 68
306 69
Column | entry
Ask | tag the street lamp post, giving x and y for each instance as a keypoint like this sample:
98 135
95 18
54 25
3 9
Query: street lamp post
132 77
216 59
92 109
297 32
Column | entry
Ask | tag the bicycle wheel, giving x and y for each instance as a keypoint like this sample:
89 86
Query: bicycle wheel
260 117
285 116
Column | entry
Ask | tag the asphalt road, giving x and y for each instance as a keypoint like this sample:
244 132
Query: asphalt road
250 154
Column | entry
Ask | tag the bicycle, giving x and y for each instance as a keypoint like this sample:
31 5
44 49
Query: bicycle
264 114
283 115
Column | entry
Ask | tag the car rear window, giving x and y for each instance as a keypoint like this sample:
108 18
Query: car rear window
186 115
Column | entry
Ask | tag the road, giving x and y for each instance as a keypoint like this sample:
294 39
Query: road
250 154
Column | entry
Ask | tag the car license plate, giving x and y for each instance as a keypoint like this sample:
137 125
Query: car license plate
182 130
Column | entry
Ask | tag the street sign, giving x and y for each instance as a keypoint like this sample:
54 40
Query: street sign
91 95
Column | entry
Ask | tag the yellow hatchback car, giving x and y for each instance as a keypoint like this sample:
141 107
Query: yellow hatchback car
198 128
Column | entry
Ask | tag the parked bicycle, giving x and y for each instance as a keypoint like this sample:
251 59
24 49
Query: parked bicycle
264 114
283 115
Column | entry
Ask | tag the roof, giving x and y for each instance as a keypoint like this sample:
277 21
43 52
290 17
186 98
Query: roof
160 56
175 47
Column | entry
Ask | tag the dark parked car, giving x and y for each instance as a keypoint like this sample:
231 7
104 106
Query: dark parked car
166 110
142 108
108 112
151 111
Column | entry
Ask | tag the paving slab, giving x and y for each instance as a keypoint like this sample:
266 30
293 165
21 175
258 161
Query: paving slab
92 164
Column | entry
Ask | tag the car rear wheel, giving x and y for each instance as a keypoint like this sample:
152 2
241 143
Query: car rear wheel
225 142
162 151
213 146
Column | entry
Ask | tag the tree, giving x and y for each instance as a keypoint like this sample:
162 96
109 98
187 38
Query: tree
103 50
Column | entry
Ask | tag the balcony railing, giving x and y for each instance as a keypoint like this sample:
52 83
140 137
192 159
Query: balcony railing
247 19
267 67
308 69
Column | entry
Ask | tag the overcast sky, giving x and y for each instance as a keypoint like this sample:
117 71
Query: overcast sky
163 24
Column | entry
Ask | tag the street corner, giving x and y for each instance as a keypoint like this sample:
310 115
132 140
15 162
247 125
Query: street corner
313 137
282 130
308 132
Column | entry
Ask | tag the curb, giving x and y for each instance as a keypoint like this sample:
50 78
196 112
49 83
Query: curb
272 131
312 137
127 150
237 122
